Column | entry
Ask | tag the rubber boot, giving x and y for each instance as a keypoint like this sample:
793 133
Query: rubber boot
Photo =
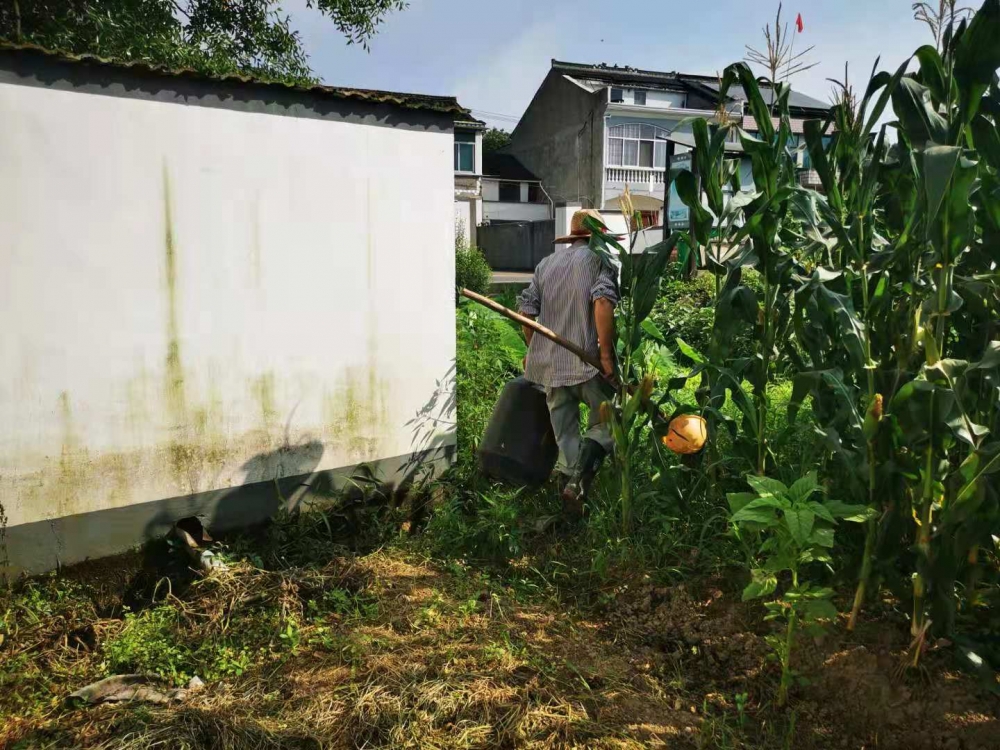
592 454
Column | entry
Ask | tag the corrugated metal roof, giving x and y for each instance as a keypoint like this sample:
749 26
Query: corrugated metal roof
446 104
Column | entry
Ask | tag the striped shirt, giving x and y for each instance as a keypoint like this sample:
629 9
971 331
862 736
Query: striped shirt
561 296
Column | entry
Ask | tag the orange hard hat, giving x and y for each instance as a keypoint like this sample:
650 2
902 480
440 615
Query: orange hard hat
686 434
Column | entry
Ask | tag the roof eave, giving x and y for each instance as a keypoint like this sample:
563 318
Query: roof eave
443 104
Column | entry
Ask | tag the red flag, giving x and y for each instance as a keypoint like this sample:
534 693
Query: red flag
798 22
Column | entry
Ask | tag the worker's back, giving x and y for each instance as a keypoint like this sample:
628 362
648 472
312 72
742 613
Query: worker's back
562 296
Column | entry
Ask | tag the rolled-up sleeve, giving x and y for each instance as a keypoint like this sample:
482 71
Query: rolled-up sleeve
530 303
605 287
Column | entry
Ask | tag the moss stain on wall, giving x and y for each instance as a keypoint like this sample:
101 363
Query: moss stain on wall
262 390
174 378
72 460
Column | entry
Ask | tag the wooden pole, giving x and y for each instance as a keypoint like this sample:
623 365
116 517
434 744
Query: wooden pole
535 326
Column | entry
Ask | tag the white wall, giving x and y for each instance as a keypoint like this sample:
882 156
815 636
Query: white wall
193 298
665 99
564 218
464 220
657 99
515 211
491 190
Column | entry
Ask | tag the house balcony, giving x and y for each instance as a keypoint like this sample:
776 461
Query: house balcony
637 178
810 178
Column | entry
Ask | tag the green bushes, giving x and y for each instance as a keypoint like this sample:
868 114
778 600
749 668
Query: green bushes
490 352
471 269
685 309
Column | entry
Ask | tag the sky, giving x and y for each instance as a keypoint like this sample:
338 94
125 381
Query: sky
492 56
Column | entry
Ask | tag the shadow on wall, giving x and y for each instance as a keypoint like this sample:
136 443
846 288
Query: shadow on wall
272 480
429 448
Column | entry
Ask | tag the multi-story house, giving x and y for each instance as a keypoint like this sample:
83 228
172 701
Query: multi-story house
468 176
592 130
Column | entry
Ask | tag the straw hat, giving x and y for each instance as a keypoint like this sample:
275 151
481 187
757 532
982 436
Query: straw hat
577 230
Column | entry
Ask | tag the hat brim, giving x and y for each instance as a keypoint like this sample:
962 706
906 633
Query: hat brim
582 236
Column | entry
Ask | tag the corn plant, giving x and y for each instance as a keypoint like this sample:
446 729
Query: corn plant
630 412
793 531
897 321
838 305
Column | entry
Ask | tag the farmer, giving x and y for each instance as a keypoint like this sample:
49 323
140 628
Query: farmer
575 295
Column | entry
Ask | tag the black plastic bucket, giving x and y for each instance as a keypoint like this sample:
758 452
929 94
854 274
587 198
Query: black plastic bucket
519 446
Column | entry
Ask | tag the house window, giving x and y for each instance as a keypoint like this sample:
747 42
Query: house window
637 145
617 95
640 97
510 192
535 194
465 152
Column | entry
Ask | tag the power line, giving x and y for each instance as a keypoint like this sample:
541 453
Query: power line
496 115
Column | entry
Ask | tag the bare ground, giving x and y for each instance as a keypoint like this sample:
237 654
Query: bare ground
450 658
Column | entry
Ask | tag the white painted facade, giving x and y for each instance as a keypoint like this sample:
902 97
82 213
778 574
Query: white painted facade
506 211
195 298
469 185
520 210
654 99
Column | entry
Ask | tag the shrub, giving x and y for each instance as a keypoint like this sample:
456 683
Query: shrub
684 310
490 352
471 269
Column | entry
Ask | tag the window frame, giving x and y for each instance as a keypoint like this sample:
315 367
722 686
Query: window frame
509 185
465 142
636 93
632 136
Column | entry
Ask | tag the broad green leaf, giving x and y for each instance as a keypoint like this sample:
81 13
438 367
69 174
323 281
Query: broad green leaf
991 358
760 510
822 537
813 130
761 584
650 267
980 463
987 140
765 486
803 487
822 511
883 98
853 513
761 112
939 166
653 331
820 609
689 351
739 500
800 524
978 57
932 72
920 121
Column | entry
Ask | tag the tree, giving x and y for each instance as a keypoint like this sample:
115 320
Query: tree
495 139
249 37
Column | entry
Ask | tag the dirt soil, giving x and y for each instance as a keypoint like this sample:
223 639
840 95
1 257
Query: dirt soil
448 658
856 691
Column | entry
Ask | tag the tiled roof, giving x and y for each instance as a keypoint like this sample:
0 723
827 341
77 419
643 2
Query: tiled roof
446 104
622 75
673 80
